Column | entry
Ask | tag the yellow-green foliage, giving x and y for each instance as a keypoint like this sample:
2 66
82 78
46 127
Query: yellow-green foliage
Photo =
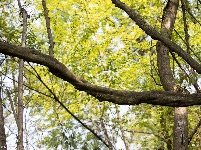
99 43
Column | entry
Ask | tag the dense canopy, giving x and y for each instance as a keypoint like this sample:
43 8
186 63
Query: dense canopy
82 74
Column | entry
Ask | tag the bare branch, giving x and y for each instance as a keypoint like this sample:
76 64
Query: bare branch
194 131
75 117
123 136
105 130
149 133
12 105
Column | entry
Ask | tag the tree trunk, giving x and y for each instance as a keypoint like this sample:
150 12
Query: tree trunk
180 136
3 145
180 139
20 107
20 113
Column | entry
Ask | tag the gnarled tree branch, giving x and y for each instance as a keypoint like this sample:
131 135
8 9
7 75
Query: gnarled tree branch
121 97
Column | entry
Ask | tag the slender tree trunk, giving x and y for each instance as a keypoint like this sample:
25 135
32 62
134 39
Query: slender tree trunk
119 120
180 136
20 112
3 145
20 107
49 32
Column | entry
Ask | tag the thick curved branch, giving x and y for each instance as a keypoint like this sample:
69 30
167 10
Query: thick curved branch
120 97
158 36
32 55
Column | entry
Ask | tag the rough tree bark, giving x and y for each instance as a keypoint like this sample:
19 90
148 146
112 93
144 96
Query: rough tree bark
121 97
180 132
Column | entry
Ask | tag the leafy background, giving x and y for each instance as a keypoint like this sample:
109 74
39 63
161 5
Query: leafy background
101 44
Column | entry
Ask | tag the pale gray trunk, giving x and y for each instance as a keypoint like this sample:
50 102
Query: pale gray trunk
20 107
180 137
20 111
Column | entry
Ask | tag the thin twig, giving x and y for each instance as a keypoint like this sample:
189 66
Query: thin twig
186 44
149 133
194 131
190 13
12 105
119 120
105 130
75 117
196 86
27 85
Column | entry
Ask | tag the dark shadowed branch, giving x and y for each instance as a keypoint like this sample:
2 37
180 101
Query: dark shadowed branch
120 97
